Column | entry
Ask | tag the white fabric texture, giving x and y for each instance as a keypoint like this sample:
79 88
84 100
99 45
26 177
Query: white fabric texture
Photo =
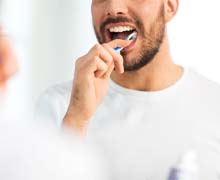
143 134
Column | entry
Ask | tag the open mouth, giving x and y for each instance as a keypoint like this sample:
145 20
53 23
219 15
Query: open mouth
119 32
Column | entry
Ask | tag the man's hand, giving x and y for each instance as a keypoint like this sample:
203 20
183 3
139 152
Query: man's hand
91 80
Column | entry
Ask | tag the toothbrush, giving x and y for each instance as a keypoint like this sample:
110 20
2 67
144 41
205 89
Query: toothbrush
132 36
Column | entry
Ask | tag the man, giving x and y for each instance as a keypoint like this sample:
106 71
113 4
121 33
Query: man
31 152
145 109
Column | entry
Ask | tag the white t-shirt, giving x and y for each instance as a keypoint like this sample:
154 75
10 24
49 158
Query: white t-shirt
143 134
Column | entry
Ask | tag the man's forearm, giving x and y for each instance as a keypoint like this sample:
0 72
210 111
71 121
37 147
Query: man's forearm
75 123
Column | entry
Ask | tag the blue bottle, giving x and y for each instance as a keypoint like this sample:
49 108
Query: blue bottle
186 168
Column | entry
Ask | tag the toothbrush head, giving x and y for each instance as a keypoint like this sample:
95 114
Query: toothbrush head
131 37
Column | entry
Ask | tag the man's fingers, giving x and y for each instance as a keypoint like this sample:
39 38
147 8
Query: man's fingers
119 43
101 57
117 58
101 52
110 69
101 67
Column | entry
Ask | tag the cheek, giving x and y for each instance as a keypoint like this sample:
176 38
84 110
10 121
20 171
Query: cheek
96 16
148 11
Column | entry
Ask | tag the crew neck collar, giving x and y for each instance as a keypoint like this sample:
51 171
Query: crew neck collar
142 94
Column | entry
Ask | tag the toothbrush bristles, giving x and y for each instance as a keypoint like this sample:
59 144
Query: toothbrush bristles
132 36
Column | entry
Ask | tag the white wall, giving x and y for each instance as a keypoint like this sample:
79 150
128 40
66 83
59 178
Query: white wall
62 32
195 36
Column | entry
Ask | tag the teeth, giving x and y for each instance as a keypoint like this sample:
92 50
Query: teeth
121 29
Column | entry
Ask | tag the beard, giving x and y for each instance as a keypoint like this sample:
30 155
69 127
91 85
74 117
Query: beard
150 44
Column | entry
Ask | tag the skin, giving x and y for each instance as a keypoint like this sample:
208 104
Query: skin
8 63
94 70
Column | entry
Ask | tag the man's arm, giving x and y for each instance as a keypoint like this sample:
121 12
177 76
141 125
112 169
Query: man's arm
90 84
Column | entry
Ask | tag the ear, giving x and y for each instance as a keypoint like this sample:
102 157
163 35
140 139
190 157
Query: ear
170 9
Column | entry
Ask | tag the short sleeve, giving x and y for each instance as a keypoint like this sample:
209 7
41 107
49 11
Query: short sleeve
51 108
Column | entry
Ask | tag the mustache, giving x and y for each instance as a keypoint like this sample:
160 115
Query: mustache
118 19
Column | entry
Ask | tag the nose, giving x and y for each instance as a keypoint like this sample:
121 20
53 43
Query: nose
116 7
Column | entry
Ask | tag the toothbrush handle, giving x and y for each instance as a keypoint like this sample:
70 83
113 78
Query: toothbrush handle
118 49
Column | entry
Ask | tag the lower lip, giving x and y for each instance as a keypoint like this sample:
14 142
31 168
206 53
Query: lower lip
130 46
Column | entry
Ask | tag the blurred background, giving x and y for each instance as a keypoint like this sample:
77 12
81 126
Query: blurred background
49 35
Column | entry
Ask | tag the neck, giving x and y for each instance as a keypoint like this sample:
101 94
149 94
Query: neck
159 74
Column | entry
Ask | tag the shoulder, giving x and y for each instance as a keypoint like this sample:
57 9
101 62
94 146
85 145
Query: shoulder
56 95
53 103
205 96
203 85
59 90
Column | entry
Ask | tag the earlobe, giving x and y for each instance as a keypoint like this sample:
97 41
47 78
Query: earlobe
171 7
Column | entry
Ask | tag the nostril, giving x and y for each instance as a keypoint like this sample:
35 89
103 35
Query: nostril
114 11
116 14
120 13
